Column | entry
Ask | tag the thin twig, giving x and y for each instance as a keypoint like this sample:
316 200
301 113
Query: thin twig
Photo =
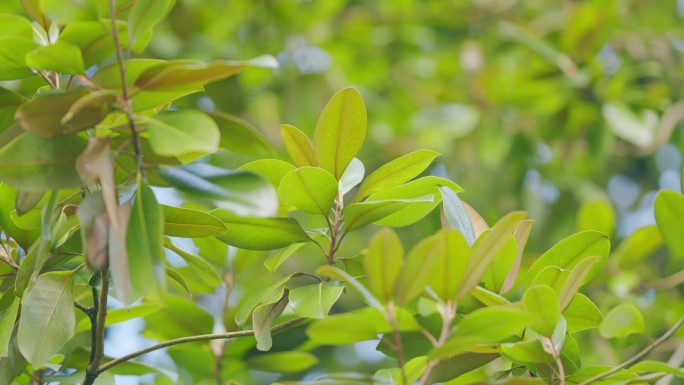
638 356
557 359
82 307
99 323
185 340
447 316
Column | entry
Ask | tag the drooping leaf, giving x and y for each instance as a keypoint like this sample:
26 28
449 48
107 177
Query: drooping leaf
456 215
176 276
352 176
282 362
582 314
32 163
382 263
188 223
622 321
259 295
59 57
340 131
47 317
570 251
298 146
310 189
314 301
185 134
273 170
396 172
260 233
203 268
484 326
239 136
542 303
262 320
669 215
363 213
144 243
145 14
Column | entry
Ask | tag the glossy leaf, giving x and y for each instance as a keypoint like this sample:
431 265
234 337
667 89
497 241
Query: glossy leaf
382 263
47 317
340 131
32 163
310 189
59 57
622 321
582 314
260 233
239 136
187 134
542 303
315 301
396 172
363 213
669 214
298 146
188 223
263 318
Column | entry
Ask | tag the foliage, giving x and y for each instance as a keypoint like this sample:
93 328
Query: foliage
260 267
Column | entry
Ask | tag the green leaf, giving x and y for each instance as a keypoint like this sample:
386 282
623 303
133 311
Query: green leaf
7 319
496 274
315 301
260 233
352 176
439 261
596 215
525 352
282 362
484 252
570 251
59 57
273 170
542 303
336 273
342 329
274 261
582 314
656 366
16 26
186 133
521 234
239 136
263 318
27 200
622 321
453 367
396 172
484 326
298 146
115 316
357 215
382 263
637 246
13 52
199 265
669 215
64 112
456 215
310 189
575 280
340 131
176 276
47 317
13 364
69 11
32 163
187 223
259 295
144 243
145 14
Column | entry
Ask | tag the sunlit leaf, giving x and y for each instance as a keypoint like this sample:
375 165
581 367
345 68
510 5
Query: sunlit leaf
352 176
273 170
596 215
521 234
274 261
582 314
298 146
59 57
575 280
310 189
456 215
363 213
382 263
542 303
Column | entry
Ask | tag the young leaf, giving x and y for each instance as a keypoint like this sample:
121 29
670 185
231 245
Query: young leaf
32 163
575 280
582 314
570 251
187 223
239 136
340 131
273 170
315 301
263 318
310 189
456 215
204 269
59 57
187 134
47 317
298 146
542 303
396 172
669 214
144 243
382 263
622 321
357 215
145 14
260 233
484 252
352 176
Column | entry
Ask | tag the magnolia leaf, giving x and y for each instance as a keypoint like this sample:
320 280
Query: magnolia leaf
622 321
188 223
47 317
669 214
310 189
260 233
575 280
298 146
396 172
582 314
186 134
273 170
59 57
359 214
315 301
542 303
382 263
340 131
263 318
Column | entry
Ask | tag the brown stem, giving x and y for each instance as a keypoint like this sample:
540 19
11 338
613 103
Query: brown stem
185 340
638 356
98 320
556 357
335 226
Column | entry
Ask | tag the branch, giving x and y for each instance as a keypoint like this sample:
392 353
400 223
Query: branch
98 319
638 356
185 340
447 317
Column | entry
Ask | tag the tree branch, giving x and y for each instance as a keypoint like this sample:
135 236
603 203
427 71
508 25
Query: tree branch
185 340
638 356
98 319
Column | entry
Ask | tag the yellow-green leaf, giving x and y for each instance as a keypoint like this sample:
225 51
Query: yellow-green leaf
310 189
298 146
